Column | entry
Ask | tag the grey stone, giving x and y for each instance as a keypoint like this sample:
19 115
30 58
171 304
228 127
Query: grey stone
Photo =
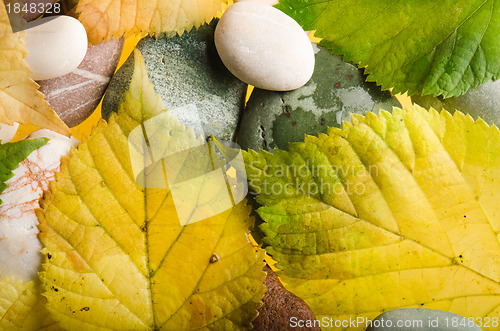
191 79
482 102
420 319
336 90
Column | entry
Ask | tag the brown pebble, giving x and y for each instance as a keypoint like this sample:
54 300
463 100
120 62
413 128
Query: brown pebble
279 306
75 96
39 10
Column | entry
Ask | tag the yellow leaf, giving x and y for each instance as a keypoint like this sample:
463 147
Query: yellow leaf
116 256
395 210
21 307
20 100
114 18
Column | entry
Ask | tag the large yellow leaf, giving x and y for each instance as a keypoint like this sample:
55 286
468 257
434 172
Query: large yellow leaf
116 256
115 18
20 100
21 307
395 210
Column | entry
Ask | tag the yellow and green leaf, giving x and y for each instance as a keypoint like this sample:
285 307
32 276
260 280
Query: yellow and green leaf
114 18
395 210
11 154
20 100
21 307
116 256
427 47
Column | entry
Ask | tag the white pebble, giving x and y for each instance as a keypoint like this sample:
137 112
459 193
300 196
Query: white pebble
56 46
7 132
267 2
19 245
264 47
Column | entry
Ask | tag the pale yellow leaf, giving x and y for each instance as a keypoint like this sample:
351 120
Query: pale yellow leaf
20 100
22 307
114 18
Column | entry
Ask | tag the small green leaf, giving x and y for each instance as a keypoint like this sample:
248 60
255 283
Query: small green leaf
11 154
429 47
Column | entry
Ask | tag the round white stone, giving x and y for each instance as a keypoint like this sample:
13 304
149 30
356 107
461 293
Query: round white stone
264 47
7 132
19 245
56 46
267 2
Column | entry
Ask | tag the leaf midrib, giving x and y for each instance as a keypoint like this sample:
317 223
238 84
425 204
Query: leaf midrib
423 192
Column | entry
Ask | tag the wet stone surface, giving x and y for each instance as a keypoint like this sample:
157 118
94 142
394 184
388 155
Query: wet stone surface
418 319
193 82
335 91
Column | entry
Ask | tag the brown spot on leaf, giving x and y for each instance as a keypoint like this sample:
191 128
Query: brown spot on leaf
214 258
200 313
79 265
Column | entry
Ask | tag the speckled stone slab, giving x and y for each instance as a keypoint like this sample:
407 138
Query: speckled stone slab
191 79
335 91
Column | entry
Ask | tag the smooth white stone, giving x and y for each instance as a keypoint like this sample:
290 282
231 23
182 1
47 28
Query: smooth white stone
267 2
56 46
19 245
7 132
264 47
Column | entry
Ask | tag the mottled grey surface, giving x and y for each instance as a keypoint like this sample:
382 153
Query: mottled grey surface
420 319
335 91
482 102
191 79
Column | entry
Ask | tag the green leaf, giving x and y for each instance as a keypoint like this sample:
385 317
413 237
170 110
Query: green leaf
116 256
11 154
396 210
429 47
